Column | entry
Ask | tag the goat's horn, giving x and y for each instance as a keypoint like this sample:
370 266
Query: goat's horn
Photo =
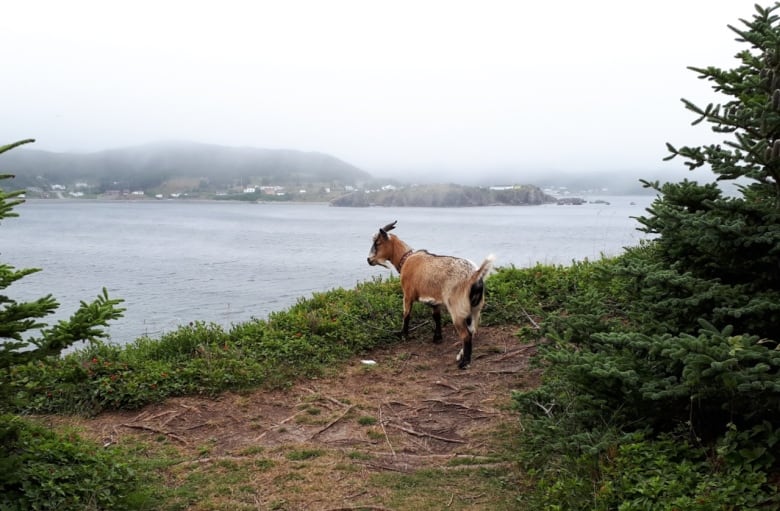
390 226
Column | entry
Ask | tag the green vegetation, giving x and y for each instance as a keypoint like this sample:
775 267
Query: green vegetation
661 385
306 340
662 381
43 470
40 469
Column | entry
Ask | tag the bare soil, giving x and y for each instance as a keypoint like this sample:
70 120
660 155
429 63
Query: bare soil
319 444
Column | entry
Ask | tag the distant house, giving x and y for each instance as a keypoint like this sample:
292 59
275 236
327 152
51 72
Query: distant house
272 190
250 189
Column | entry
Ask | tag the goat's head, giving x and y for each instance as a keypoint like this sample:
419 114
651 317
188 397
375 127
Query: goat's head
382 249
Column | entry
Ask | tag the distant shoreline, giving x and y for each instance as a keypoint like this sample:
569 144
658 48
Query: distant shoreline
581 200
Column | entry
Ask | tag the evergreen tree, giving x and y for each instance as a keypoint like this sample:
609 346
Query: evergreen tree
707 291
18 320
673 349
725 251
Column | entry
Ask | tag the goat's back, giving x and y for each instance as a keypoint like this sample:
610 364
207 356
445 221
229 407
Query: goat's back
436 275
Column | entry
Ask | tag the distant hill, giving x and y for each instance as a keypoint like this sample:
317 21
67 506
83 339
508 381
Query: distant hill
149 166
447 196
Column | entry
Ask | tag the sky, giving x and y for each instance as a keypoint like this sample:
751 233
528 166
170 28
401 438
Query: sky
409 88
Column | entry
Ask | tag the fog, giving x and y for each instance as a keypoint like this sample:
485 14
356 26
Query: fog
426 90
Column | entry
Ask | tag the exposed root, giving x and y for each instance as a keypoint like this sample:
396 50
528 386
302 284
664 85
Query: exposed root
155 430
334 421
428 435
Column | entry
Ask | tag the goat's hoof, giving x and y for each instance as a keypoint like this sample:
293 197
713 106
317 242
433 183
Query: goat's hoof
462 362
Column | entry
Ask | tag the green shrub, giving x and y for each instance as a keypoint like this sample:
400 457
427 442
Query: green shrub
42 470
671 473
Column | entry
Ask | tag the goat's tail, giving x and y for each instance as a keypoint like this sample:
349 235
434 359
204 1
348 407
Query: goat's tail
484 268
477 288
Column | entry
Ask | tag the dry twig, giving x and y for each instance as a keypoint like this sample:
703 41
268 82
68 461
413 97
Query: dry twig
456 389
534 323
516 352
457 405
288 419
155 430
429 435
200 461
157 416
359 508
381 423
334 421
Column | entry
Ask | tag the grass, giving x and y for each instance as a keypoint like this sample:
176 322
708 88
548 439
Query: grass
293 478
312 339
309 339
480 489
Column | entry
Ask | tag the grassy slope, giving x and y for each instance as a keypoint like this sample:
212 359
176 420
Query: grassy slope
310 342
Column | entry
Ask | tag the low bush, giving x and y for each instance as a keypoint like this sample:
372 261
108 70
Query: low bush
42 470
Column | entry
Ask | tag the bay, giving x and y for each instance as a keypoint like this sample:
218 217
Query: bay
176 262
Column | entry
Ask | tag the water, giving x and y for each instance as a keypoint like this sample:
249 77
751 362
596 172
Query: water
174 262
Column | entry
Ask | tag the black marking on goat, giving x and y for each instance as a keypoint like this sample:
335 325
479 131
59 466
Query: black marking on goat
465 358
476 292
437 337
437 255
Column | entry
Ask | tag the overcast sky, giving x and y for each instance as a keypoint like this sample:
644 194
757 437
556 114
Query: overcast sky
409 86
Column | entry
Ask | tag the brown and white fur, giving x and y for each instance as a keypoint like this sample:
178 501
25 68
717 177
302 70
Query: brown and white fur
436 280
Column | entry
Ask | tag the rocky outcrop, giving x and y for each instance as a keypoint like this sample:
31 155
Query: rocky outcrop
447 196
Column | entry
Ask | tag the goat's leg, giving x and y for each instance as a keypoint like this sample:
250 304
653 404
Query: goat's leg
464 356
437 337
407 316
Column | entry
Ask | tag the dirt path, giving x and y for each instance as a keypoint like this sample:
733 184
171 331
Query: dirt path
317 444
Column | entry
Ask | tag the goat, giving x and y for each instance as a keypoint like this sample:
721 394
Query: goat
435 280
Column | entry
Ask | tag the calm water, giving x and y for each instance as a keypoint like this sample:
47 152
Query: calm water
174 262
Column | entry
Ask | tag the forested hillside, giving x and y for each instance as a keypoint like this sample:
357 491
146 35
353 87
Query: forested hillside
148 166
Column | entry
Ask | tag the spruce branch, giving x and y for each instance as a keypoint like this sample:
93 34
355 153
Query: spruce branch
8 147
